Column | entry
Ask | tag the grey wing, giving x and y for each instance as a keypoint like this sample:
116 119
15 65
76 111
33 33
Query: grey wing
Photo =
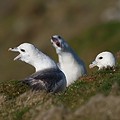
51 80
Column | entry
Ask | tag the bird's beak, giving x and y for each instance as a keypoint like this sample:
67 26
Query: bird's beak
93 64
15 50
55 42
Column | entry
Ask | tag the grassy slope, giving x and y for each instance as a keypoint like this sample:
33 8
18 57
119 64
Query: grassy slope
18 102
33 105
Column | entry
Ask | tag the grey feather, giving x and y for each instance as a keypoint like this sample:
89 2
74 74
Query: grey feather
51 80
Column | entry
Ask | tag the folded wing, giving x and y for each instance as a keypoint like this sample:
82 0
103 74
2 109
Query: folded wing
51 80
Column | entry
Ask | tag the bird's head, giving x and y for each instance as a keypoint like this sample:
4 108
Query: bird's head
26 50
103 60
59 43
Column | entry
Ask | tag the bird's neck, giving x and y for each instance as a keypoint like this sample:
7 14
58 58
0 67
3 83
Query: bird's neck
65 57
41 62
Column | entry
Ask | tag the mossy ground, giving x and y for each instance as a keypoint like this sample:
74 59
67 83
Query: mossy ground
18 102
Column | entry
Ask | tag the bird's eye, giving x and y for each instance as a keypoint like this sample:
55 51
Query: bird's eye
100 58
59 37
22 50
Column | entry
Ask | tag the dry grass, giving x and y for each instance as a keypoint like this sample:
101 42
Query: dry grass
95 96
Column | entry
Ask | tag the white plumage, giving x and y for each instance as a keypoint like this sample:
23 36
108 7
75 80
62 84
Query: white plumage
103 60
69 62
47 76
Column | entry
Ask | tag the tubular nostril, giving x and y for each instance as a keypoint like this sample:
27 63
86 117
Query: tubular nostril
10 49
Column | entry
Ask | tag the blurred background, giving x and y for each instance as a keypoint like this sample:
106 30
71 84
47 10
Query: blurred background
89 26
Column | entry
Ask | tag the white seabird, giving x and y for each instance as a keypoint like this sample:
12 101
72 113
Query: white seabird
69 62
104 60
47 76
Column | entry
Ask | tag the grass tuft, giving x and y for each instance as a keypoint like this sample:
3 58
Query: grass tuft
18 102
13 88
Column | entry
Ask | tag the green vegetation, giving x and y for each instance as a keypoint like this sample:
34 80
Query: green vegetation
12 89
18 102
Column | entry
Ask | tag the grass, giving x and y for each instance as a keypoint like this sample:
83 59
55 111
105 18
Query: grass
82 90
19 113
12 89
18 102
